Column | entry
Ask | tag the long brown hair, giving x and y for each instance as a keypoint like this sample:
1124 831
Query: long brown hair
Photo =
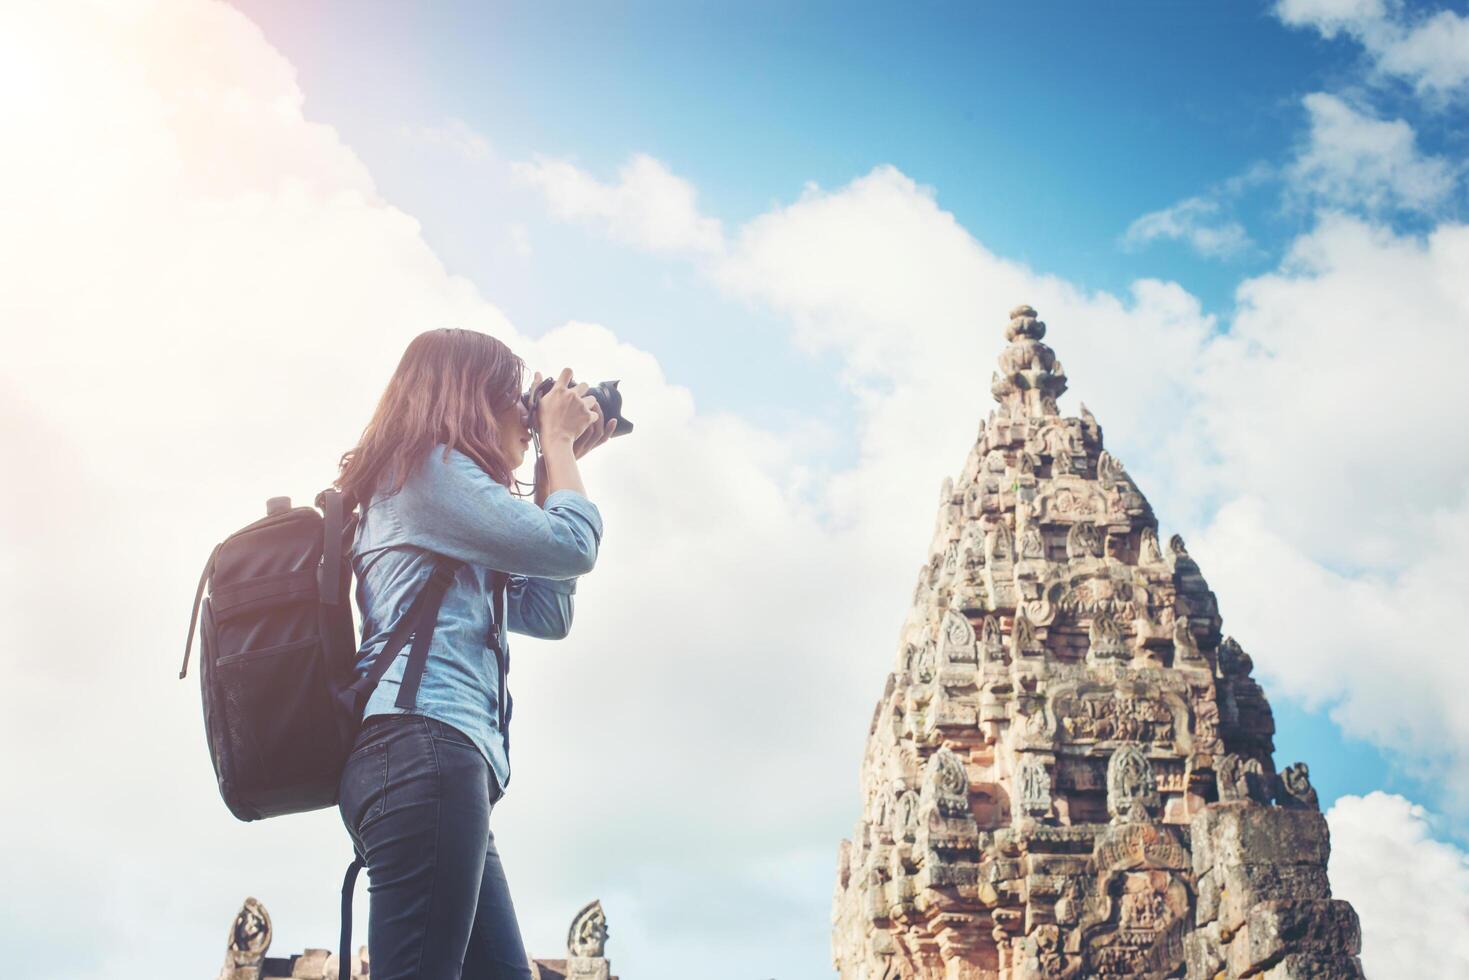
448 388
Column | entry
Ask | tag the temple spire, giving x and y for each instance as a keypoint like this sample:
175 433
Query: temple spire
1030 378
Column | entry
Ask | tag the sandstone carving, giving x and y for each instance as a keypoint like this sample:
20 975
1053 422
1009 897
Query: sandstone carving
1296 789
588 934
249 939
1070 774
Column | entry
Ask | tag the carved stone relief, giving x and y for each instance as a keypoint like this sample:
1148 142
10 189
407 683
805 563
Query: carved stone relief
1132 792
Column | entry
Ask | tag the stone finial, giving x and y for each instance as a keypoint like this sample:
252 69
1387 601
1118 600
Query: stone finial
1296 789
1024 322
1029 379
249 938
586 945
588 934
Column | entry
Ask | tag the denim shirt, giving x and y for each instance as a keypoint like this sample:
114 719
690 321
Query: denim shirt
455 509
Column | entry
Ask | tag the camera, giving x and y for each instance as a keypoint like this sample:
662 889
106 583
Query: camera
609 402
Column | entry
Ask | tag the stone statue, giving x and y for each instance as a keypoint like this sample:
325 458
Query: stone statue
588 935
249 938
1296 789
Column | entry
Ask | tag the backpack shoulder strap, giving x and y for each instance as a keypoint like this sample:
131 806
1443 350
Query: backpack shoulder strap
335 507
430 598
417 624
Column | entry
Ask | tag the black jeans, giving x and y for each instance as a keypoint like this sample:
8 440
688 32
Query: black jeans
416 797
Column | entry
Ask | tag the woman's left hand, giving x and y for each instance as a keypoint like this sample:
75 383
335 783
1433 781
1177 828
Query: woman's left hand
594 435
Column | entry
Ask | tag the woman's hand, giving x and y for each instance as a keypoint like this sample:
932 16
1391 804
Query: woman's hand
565 413
596 434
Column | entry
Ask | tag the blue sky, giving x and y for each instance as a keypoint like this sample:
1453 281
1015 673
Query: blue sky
1047 128
794 232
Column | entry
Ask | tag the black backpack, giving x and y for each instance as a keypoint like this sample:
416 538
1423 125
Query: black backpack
282 702
278 652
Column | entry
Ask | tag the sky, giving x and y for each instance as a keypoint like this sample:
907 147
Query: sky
794 232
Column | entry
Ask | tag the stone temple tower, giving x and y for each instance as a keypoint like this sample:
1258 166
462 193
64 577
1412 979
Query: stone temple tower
1070 772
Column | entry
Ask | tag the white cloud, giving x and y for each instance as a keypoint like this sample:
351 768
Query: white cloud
1411 891
1433 53
1430 52
456 135
1354 160
1195 221
649 206
1331 17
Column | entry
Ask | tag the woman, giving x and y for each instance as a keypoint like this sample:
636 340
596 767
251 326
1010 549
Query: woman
436 465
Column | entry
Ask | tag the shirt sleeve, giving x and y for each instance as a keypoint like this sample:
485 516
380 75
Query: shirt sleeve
539 607
454 508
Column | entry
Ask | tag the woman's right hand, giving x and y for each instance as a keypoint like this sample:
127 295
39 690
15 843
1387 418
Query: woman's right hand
565 412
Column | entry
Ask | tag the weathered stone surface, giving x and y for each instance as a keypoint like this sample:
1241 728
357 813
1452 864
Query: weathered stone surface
1272 930
1315 966
1070 772
311 965
1245 833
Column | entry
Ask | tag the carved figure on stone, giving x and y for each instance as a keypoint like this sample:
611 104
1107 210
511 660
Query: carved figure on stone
882 807
588 934
1068 906
1135 928
1206 721
1185 647
1031 545
905 817
1033 720
925 665
249 933
999 545
1233 661
1023 640
1132 791
1094 596
1239 778
991 640
1176 546
1101 716
1083 541
1104 640
1109 471
1148 550
946 783
958 637
1296 789
1033 781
